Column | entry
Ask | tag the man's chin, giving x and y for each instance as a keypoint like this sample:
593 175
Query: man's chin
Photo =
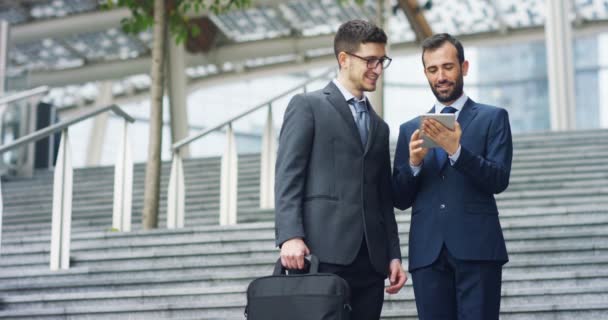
444 97
370 87
440 98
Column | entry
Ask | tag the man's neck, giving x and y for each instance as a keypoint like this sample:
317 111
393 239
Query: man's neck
344 81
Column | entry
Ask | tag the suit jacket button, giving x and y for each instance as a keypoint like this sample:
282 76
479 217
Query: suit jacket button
442 206
442 177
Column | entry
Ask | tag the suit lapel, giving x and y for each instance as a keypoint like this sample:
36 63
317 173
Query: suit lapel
374 121
336 99
468 112
466 115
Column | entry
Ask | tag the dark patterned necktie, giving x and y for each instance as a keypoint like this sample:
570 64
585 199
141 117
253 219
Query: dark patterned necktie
361 119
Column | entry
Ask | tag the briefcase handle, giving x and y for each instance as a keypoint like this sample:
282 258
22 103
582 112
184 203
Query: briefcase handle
312 266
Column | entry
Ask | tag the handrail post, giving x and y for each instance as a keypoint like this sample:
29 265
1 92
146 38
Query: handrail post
229 171
176 193
62 206
267 160
228 180
3 63
61 224
1 214
4 33
123 183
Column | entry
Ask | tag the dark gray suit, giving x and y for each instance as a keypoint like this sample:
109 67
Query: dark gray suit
330 189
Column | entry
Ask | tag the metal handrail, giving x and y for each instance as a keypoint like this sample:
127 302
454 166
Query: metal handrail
6 99
177 145
43 133
61 219
229 166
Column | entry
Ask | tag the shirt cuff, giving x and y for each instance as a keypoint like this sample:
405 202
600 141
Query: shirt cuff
455 156
416 169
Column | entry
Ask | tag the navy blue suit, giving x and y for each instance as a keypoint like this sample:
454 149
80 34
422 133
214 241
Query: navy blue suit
453 207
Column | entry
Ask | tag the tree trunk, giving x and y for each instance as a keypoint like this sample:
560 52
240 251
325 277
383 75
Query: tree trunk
153 166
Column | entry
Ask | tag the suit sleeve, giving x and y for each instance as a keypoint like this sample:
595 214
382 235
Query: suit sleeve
392 231
295 142
405 184
491 172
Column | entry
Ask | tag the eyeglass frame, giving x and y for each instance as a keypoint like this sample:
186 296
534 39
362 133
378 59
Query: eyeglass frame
369 60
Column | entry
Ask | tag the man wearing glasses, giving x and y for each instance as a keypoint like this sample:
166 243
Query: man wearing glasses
333 177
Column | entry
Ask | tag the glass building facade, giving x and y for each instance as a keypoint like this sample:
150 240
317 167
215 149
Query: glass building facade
515 77
512 76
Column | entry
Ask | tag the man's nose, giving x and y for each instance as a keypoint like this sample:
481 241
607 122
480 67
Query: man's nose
440 76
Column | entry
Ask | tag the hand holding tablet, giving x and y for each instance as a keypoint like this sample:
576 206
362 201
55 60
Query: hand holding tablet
446 119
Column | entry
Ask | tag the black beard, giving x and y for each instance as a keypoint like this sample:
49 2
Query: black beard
451 95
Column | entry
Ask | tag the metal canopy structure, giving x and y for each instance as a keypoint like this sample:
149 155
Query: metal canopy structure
73 42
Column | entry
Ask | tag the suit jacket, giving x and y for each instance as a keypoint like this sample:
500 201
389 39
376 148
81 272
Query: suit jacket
330 189
454 205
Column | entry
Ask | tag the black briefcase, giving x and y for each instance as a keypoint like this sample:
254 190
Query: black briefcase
307 296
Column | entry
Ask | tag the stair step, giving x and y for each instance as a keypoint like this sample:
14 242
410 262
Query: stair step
554 217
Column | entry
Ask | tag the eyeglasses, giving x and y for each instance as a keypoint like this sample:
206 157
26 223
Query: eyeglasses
372 63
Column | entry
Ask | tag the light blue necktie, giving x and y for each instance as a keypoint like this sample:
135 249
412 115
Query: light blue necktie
361 119
440 154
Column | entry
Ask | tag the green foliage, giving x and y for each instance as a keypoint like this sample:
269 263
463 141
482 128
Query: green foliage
359 2
178 11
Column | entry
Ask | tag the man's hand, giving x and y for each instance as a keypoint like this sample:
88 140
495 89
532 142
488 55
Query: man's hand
397 277
447 139
293 252
417 153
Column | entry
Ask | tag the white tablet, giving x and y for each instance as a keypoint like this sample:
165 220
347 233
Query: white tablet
447 119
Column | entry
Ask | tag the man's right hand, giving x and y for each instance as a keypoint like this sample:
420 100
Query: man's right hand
417 152
293 252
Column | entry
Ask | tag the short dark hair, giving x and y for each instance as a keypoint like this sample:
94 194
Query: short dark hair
355 32
437 40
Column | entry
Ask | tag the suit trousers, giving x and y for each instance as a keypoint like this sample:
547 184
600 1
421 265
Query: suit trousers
366 285
453 289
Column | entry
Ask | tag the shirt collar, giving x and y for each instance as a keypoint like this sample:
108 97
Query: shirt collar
347 95
458 104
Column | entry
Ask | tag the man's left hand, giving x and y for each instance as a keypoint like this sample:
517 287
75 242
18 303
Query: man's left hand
397 277
446 138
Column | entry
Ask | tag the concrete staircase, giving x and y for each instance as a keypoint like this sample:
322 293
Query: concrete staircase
554 214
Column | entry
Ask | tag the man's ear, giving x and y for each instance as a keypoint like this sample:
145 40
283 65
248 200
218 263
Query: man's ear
343 60
465 67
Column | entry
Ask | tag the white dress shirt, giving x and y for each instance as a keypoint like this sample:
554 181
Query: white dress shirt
348 96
